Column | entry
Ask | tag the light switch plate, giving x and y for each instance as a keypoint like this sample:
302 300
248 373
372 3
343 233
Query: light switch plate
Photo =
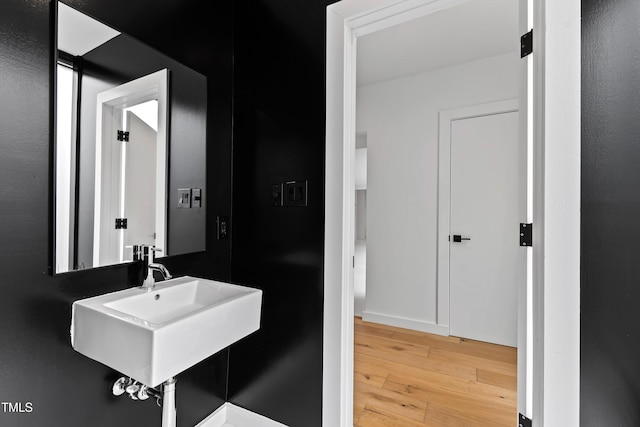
223 227
196 197
184 198
276 194
294 193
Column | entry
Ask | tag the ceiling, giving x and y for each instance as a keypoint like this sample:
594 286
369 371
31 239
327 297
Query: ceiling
78 33
464 33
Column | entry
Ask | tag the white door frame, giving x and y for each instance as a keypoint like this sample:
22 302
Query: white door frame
107 166
444 195
555 113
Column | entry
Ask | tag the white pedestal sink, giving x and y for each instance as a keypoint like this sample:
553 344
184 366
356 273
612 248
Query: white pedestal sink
151 336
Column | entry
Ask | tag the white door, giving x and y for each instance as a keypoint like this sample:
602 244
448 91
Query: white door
140 187
487 182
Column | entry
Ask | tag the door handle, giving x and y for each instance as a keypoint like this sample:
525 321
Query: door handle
458 238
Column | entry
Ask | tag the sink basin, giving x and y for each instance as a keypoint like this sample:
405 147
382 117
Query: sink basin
151 336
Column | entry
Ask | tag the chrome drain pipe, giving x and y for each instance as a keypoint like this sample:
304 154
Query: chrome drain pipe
169 403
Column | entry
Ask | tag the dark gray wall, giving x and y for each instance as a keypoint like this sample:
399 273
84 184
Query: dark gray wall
279 131
265 76
610 235
37 363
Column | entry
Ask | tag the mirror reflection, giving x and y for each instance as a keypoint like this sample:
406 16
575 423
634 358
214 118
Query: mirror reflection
115 118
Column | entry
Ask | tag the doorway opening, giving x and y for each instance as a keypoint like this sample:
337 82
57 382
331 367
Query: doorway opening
348 21
404 104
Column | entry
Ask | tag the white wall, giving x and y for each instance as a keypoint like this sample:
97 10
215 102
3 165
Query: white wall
400 118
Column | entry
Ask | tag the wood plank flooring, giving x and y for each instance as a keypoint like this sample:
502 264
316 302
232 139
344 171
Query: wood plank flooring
404 378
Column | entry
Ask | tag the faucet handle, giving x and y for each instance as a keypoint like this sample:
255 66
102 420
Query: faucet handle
143 245
120 385
149 248
150 252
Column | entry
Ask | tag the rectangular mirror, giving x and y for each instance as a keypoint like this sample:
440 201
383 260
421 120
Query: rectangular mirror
129 148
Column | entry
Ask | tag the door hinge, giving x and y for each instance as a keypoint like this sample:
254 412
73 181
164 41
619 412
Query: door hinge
526 234
524 421
526 44
123 135
121 223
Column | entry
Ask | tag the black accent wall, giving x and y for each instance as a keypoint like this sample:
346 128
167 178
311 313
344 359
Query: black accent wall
37 363
265 66
610 234
279 131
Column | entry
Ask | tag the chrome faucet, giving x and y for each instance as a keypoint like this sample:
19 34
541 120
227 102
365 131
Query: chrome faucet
144 253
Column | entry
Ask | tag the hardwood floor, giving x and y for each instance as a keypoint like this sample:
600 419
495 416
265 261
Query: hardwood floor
405 378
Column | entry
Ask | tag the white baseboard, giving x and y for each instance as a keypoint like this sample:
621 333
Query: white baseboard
406 323
230 415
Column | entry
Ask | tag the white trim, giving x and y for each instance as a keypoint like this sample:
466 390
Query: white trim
405 322
557 63
337 377
538 107
146 88
230 415
444 192
394 14
525 296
